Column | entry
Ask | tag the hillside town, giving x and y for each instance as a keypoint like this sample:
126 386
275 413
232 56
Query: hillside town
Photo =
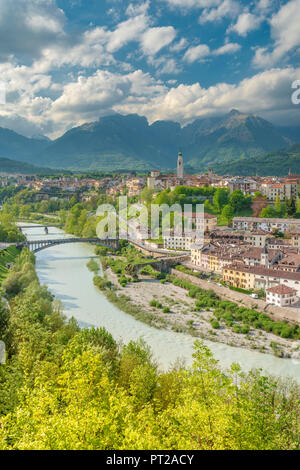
132 184
254 254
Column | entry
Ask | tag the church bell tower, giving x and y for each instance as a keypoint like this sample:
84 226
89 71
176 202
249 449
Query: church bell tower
180 166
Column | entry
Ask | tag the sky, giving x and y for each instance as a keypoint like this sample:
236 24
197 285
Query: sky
67 62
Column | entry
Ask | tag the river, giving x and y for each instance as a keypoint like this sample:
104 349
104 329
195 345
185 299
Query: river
63 269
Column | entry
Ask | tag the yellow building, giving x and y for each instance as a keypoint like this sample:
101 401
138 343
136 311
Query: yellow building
239 276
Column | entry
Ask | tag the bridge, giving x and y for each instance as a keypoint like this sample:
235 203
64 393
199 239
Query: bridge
163 264
39 245
21 227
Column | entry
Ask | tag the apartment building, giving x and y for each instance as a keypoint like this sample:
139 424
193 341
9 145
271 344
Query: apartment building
178 243
284 189
259 277
282 296
266 224
257 239
240 276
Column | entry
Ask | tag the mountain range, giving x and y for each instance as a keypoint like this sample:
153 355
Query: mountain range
118 142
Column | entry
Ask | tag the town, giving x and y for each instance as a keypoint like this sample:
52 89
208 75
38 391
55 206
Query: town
257 254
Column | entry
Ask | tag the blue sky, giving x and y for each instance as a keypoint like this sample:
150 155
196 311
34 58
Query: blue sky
67 62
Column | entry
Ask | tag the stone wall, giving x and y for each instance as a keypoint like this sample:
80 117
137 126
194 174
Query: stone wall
276 313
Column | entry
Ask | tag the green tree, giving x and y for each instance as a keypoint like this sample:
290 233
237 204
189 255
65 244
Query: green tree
228 213
220 198
291 207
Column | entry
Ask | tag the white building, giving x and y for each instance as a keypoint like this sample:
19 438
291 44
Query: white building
178 243
266 224
282 296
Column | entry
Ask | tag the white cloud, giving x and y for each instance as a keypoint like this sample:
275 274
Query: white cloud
246 22
155 39
196 53
179 46
285 34
229 48
100 94
267 94
127 31
137 8
165 65
192 3
228 8
29 26
86 98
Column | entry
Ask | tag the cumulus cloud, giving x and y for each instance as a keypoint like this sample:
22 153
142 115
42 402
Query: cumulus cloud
29 26
285 34
228 8
196 53
55 80
192 3
155 39
179 46
100 94
127 31
267 94
246 22
229 48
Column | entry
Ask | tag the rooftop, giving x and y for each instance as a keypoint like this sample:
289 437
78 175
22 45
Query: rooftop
281 290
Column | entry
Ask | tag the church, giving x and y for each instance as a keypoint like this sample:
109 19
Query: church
159 181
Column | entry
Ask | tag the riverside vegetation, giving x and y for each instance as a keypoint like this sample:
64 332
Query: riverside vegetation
66 388
206 315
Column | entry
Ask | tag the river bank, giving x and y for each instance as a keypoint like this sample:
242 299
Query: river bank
64 270
176 312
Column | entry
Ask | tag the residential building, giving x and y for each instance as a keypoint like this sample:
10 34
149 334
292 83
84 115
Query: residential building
282 296
259 277
239 276
179 243
265 224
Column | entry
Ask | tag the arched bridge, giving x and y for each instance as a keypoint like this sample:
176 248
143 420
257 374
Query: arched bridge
39 245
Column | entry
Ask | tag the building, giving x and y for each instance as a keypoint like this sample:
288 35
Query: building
259 277
180 166
266 224
262 257
284 189
257 239
246 185
178 243
281 295
239 276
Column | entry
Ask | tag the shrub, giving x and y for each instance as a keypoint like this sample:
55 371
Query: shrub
215 324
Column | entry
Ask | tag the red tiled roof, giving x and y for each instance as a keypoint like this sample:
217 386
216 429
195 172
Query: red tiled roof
281 290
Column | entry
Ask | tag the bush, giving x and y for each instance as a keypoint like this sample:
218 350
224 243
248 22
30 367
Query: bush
215 324
245 329
166 310
156 304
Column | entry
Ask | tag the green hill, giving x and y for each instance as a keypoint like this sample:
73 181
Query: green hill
14 166
274 163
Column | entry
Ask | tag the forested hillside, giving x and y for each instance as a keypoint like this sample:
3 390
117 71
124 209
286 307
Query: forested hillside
275 163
